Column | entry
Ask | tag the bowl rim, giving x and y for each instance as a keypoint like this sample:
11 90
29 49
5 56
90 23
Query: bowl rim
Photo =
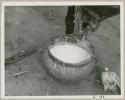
78 64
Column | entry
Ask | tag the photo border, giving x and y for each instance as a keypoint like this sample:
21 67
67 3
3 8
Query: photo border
62 3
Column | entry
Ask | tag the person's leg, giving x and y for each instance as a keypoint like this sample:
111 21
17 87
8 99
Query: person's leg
91 16
69 20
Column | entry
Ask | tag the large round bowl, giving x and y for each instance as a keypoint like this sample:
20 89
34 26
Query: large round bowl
69 61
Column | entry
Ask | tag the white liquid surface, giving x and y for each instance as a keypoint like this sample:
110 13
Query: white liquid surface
69 53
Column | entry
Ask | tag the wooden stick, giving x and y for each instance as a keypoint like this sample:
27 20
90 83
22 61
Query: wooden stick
16 74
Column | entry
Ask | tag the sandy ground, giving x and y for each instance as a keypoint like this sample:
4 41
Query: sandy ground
30 27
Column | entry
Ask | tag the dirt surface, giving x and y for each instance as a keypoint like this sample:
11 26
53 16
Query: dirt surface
34 27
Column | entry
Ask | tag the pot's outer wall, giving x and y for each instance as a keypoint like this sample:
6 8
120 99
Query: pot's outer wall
69 73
